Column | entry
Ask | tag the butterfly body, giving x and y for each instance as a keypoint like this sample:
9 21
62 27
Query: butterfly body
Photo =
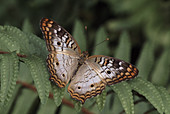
88 76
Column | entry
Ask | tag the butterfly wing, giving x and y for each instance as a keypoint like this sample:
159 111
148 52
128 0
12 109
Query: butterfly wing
112 70
61 67
57 38
62 60
85 84
97 72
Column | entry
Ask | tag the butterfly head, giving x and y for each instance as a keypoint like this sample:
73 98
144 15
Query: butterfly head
85 54
83 57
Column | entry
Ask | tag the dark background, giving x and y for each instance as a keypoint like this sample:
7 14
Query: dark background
144 20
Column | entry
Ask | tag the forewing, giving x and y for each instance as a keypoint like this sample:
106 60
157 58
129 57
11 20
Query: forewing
112 70
57 38
61 67
62 60
85 84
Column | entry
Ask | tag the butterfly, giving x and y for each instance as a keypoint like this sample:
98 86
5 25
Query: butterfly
88 76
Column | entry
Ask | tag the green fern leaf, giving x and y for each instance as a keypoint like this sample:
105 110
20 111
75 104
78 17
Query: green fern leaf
37 45
117 106
67 110
77 105
161 73
165 98
148 90
78 34
3 46
108 103
18 36
40 76
13 79
124 49
147 57
24 43
46 75
9 74
24 73
24 102
124 93
8 43
48 108
100 100
6 109
27 26
58 94
102 49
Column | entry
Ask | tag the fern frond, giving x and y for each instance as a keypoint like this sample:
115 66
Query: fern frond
40 76
148 90
147 57
102 49
24 102
27 26
124 48
165 98
124 92
38 45
9 74
100 100
78 34
58 94
24 43
45 75
19 37
110 99
77 105
24 73
161 72
48 108
7 42
6 109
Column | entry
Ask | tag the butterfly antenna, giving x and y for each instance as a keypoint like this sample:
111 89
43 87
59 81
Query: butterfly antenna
86 35
107 39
